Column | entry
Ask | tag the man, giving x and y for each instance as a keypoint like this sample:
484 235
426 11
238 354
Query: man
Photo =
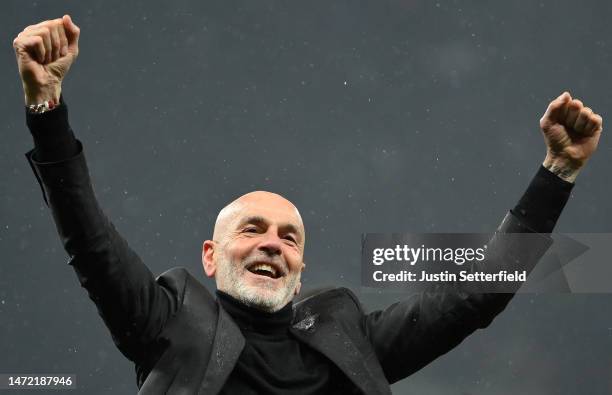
252 338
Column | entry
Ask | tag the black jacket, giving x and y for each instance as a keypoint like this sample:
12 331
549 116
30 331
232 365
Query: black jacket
183 342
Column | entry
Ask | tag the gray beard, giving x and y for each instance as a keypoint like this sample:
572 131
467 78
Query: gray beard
231 282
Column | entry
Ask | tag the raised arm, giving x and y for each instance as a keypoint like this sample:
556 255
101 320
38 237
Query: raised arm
410 334
133 305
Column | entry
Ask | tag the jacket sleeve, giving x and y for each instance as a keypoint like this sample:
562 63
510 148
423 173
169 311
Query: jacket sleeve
411 333
131 302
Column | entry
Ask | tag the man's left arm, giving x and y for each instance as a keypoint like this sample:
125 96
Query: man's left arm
410 334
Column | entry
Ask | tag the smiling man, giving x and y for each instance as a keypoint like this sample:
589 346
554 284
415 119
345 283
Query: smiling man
257 250
252 338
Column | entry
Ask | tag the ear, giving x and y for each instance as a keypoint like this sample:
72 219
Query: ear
208 251
299 284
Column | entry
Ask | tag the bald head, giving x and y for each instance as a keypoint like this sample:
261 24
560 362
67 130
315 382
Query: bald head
256 204
257 251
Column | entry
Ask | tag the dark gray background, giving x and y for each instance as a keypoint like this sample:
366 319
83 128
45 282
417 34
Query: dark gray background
401 116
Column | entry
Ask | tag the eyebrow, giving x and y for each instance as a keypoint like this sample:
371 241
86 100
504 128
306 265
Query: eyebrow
258 220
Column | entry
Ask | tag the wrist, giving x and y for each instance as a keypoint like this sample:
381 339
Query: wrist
563 168
41 94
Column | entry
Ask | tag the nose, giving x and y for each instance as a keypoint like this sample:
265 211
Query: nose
271 244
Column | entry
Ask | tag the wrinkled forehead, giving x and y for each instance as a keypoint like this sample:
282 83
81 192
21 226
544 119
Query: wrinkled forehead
280 212
276 211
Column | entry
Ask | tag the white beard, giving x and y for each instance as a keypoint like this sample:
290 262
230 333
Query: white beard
229 278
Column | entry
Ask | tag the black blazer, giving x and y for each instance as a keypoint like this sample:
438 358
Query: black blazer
183 342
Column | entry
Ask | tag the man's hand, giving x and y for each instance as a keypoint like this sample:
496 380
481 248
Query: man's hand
45 52
571 132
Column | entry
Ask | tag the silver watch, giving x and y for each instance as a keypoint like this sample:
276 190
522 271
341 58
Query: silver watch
40 108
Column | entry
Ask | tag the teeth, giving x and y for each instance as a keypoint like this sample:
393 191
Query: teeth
265 267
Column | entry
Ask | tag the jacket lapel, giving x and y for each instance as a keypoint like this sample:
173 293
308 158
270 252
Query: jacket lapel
226 349
330 340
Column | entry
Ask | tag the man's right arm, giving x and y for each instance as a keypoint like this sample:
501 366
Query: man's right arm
132 303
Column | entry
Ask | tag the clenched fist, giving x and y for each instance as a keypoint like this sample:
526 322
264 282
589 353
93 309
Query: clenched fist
571 132
45 52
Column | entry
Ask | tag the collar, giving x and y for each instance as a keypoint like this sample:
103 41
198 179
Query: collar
252 319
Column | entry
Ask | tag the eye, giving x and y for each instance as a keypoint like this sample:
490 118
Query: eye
250 229
290 238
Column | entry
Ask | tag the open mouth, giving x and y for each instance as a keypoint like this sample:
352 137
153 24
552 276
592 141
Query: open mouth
264 269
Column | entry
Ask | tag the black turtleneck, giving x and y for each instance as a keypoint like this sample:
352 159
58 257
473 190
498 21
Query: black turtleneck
275 362
253 320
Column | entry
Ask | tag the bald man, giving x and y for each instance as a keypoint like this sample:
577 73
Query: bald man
256 254
252 338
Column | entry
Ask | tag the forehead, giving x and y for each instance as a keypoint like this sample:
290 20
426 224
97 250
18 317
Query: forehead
272 211
269 207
